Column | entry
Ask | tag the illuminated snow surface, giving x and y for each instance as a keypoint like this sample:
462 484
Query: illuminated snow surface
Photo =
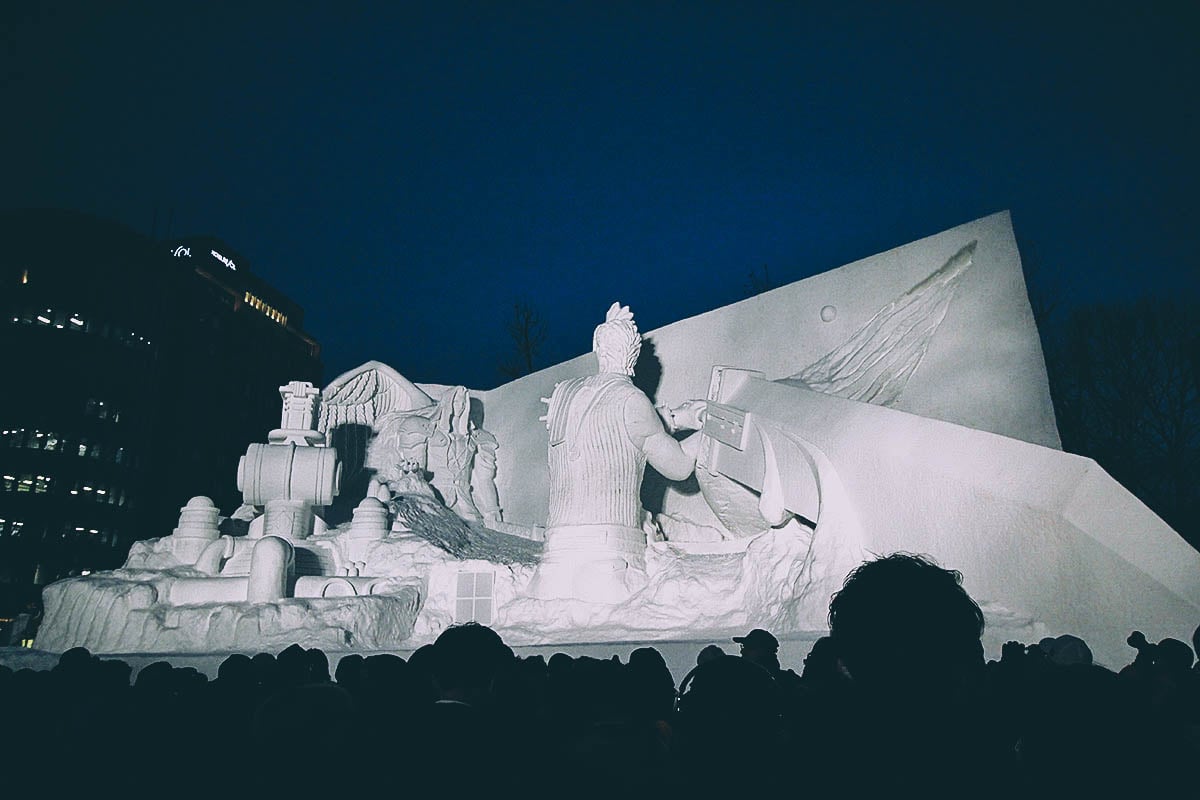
899 403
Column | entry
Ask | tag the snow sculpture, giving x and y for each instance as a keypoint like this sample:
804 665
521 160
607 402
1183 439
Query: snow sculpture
289 579
400 424
916 417
1042 537
603 431
288 477
293 472
873 365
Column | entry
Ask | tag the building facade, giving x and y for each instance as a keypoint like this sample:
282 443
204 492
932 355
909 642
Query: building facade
135 372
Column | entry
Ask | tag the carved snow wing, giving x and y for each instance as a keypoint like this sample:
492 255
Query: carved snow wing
874 364
361 396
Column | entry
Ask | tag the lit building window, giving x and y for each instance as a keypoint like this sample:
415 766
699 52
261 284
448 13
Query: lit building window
270 311
10 483
25 484
42 484
52 441
474 602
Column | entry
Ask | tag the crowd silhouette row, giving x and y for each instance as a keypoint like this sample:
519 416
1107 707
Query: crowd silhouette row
898 698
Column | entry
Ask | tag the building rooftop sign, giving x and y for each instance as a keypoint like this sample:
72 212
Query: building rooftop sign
224 260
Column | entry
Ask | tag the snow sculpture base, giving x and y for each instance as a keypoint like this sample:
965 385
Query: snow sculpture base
594 563
362 591
119 612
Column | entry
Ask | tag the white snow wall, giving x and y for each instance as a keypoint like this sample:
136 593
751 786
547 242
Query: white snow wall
1037 533
984 368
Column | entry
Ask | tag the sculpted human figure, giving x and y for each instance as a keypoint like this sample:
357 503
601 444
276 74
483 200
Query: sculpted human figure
483 475
401 443
451 451
603 432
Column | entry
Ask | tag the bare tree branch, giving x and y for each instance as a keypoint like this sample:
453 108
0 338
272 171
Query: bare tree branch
528 333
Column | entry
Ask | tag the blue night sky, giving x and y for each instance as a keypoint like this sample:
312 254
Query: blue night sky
407 172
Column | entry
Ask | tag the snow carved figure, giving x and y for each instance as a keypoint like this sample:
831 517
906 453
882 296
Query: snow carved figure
603 431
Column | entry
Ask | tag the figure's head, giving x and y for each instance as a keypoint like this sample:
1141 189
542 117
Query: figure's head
902 619
466 659
1173 656
616 342
822 660
760 647
709 653
402 436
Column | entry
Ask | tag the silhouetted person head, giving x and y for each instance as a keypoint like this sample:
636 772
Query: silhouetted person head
351 671
1066 650
761 648
266 670
154 677
1173 656
236 670
903 621
293 665
821 663
649 660
318 665
466 659
74 663
651 683
708 654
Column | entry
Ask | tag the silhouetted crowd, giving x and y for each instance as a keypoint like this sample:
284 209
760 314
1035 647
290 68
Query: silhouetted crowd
897 699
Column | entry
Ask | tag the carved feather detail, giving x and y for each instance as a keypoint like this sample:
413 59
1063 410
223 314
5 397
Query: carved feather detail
875 363
363 395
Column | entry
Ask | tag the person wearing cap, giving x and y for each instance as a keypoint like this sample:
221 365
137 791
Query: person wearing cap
761 648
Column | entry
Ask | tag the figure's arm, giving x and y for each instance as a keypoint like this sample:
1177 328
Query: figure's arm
664 453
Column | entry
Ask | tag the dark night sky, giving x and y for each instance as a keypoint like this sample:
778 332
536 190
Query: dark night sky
407 172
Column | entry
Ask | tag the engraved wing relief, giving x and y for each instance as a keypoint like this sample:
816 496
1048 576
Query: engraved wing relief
362 395
872 366
875 363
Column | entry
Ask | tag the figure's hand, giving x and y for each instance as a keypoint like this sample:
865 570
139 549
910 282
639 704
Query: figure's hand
690 415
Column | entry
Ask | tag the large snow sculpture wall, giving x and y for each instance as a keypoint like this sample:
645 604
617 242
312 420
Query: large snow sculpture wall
983 367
